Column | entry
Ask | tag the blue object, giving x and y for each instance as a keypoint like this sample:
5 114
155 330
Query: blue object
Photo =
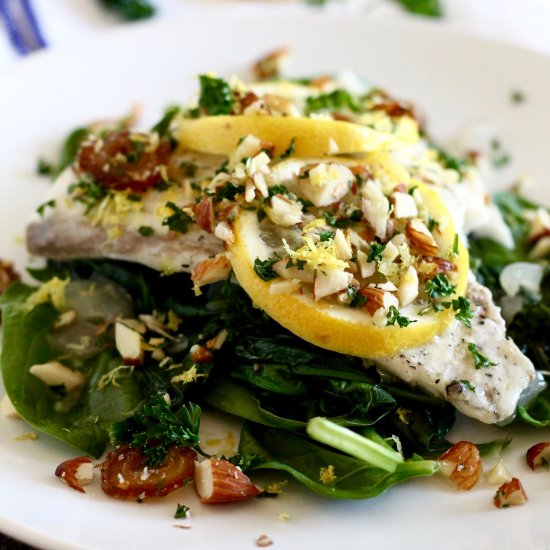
22 26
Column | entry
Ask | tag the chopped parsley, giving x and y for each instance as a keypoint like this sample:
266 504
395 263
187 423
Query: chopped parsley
432 224
41 209
216 97
468 385
228 192
499 158
517 96
155 427
45 168
89 193
278 189
357 299
455 245
162 127
427 8
339 99
376 251
179 221
326 236
146 231
439 287
479 359
395 317
189 169
463 310
335 221
290 151
264 269
130 10
182 511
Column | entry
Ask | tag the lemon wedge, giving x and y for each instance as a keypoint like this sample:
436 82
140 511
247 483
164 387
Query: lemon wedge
338 327
312 138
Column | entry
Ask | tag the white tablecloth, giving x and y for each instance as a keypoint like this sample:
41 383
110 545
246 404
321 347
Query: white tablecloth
524 22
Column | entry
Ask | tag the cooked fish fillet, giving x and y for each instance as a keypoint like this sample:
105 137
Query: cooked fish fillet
445 366
63 236
114 227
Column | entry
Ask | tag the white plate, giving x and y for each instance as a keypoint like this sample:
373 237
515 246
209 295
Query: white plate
455 78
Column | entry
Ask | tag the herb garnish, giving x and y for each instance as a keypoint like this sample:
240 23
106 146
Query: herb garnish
357 299
146 230
463 310
264 269
130 10
155 427
228 192
179 221
326 236
395 317
376 251
479 359
339 99
289 152
468 385
216 97
182 511
439 286
49 204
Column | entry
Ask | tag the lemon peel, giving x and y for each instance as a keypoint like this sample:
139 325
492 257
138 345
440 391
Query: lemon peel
312 137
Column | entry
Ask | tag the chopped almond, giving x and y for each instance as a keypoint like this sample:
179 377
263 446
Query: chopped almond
510 493
76 472
218 481
462 464
538 455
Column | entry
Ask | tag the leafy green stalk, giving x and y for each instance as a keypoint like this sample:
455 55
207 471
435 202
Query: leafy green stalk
130 10
348 441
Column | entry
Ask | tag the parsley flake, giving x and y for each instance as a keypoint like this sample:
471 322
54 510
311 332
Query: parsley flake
479 359
439 286
264 269
146 231
468 385
395 317
216 97
179 221
376 251
41 209
182 511
289 152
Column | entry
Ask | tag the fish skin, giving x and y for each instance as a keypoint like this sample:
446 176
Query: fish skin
63 236
439 366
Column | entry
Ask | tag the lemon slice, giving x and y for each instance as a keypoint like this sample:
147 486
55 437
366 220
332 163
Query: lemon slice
335 327
312 137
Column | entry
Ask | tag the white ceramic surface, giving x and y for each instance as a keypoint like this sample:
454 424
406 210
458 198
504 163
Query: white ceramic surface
455 78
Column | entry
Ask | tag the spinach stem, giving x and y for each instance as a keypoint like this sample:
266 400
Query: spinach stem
346 440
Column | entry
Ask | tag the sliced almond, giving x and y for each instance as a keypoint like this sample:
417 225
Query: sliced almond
330 282
420 238
404 206
204 214
76 472
211 270
128 343
284 211
376 207
218 481
55 373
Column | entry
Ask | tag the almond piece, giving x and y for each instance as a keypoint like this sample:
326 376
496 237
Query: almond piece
538 455
420 238
204 214
218 481
76 472
462 465
211 270
55 373
510 493
377 298
128 343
